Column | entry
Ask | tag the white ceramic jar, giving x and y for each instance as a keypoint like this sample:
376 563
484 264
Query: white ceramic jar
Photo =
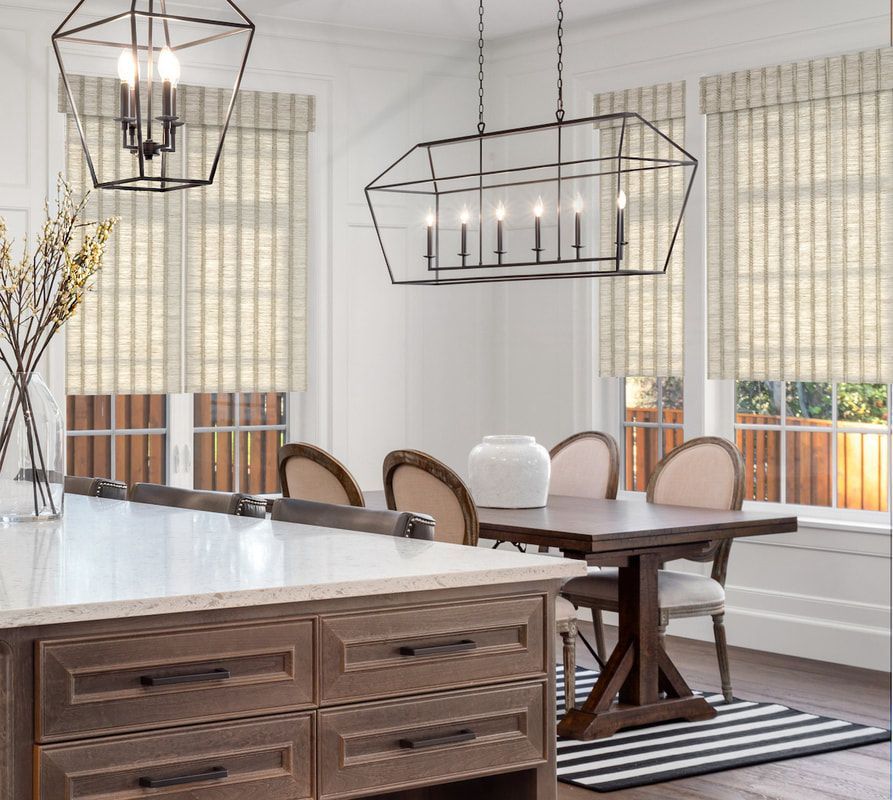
509 472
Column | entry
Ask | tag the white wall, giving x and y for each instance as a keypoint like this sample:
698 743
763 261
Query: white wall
822 592
390 366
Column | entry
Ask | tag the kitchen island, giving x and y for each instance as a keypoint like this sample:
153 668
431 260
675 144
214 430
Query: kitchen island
149 651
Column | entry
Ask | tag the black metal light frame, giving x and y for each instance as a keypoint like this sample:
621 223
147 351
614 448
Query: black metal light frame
441 274
151 16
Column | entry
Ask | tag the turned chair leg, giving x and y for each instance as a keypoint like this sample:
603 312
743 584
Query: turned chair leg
599 635
569 637
722 655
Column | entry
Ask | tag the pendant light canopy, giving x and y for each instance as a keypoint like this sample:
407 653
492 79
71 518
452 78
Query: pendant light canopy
565 199
121 68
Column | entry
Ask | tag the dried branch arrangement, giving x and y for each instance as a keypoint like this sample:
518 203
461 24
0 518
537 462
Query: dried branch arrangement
38 293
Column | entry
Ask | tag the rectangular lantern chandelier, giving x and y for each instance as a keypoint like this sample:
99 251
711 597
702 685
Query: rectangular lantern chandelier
486 208
601 196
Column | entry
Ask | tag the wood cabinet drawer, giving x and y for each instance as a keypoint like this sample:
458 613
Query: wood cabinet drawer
401 744
94 686
272 759
404 651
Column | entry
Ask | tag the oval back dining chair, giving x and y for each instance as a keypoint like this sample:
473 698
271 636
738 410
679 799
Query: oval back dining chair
308 472
417 482
586 464
707 472
351 518
95 487
241 505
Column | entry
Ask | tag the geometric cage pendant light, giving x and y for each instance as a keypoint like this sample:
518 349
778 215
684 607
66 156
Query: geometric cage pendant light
136 98
601 196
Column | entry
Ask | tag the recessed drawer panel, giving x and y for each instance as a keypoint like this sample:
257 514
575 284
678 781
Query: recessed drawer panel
273 759
385 653
94 686
400 744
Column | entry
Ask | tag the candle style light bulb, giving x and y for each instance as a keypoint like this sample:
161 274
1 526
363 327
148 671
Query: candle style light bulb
500 219
429 222
578 213
169 66
464 216
537 230
126 68
621 200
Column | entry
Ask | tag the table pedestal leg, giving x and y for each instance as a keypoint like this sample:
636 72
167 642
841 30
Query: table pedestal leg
638 670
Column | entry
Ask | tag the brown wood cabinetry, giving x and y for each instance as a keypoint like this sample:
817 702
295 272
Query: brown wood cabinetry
430 647
273 759
440 694
92 686
400 743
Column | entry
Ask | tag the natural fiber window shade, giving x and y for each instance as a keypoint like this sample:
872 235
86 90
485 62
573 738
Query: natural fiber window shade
126 337
223 307
246 257
641 318
800 220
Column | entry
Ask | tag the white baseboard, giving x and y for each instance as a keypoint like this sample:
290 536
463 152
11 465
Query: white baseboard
806 637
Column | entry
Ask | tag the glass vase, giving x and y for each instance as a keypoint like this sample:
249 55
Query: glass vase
32 450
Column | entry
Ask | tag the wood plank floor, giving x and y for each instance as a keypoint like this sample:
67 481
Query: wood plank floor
818 687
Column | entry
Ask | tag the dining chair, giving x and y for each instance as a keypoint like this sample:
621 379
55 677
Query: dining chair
351 518
308 472
417 482
707 472
95 487
586 464
240 505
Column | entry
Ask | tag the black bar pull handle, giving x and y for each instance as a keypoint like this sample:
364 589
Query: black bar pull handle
191 677
213 774
436 741
439 649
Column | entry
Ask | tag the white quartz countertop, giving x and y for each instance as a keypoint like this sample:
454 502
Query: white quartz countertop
109 559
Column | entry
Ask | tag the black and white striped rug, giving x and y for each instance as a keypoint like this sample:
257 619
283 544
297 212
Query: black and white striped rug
742 734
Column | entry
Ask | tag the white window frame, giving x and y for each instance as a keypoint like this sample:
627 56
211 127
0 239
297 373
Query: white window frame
660 426
112 432
309 415
709 405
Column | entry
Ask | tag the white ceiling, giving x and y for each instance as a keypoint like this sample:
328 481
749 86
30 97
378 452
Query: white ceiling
451 18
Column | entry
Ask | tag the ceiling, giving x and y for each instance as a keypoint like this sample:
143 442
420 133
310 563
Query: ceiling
450 18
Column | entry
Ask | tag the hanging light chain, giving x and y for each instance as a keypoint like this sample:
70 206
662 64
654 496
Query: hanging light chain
559 112
481 125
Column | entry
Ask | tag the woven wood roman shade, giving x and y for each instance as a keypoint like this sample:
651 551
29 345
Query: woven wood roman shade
203 290
640 319
800 220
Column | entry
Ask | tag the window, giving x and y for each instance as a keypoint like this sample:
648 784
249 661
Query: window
652 426
122 437
817 444
236 441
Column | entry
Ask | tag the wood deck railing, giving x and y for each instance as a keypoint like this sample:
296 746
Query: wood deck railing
142 457
862 472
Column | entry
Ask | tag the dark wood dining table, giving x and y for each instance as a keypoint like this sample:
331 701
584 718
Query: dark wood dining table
640 684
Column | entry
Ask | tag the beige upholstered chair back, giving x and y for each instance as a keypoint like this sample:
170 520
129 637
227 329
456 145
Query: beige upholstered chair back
417 482
707 472
586 465
310 473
